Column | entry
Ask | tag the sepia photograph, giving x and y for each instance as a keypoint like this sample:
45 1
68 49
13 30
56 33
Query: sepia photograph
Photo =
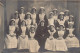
39 26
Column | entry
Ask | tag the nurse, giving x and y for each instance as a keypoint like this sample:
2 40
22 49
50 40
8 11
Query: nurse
71 39
23 38
28 20
16 19
22 14
42 16
50 41
34 16
61 20
33 45
11 40
66 15
60 42
55 14
50 20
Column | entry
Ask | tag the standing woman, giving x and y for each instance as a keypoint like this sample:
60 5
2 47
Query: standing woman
50 20
42 16
16 19
23 38
17 22
34 16
22 15
61 20
11 40
28 20
55 14
66 15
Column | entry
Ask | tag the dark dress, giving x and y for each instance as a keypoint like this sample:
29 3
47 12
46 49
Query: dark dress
41 36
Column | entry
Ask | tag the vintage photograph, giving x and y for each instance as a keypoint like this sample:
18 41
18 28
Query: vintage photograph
44 26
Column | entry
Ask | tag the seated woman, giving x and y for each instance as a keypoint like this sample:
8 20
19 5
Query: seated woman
23 38
11 40
33 45
41 34
71 40
50 42
60 42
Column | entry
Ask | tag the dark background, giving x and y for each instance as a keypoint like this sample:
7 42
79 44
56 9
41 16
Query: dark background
8 7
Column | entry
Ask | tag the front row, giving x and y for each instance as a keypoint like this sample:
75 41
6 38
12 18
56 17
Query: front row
51 43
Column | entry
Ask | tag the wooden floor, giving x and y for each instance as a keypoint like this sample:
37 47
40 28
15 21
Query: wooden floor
71 50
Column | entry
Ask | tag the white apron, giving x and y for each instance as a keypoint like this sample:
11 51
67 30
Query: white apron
50 21
66 18
11 42
72 41
41 16
61 22
23 42
33 16
28 23
61 45
55 17
33 45
16 22
22 16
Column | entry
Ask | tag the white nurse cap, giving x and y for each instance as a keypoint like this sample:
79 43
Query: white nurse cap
61 13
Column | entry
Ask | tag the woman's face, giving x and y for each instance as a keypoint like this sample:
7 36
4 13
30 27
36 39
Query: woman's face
70 25
16 16
42 23
70 18
13 23
22 10
61 17
51 28
66 13
42 11
33 11
32 30
23 23
55 12
61 27
51 15
28 16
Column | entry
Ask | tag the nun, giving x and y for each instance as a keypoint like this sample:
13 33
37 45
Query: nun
11 40
41 35
42 16
22 14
